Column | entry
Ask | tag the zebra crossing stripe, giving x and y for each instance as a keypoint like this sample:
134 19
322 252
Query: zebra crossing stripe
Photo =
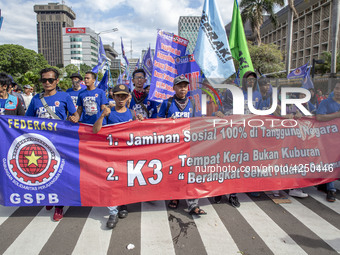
276 239
322 228
155 230
5 212
95 236
215 237
321 197
35 235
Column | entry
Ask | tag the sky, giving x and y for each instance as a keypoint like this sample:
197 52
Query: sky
137 20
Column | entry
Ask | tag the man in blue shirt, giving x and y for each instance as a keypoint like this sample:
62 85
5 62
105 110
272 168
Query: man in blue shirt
329 109
91 101
118 114
180 106
59 106
139 101
76 88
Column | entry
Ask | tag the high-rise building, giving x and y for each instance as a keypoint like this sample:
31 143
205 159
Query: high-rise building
51 19
188 27
80 46
311 31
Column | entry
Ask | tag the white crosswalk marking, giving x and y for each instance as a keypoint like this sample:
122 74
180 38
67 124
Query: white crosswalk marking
35 235
94 236
211 228
155 230
321 197
314 222
276 239
5 212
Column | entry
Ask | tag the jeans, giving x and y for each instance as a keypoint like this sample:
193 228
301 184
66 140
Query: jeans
113 210
330 186
192 203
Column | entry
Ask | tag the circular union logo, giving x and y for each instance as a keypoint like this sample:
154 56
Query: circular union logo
33 160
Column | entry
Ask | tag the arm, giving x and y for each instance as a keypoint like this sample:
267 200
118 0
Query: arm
99 123
327 117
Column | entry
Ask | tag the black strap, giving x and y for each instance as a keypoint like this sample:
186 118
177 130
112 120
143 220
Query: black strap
169 104
140 102
133 114
48 109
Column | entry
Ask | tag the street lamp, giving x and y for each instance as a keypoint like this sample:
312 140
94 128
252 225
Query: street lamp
316 61
108 31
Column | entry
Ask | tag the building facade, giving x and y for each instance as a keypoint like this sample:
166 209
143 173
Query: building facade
80 46
188 27
51 19
311 31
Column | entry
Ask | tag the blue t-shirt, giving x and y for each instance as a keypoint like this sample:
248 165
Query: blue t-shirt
328 106
265 102
119 117
91 101
2 106
60 103
74 95
150 105
174 111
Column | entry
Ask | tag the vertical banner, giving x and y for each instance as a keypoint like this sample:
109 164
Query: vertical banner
186 65
168 47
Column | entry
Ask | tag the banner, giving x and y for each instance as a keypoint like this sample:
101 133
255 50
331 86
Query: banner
53 162
186 65
168 47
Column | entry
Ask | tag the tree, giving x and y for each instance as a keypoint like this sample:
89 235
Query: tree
254 11
324 68
266 58
17 60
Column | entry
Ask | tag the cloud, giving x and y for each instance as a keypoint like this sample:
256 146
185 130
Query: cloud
136 20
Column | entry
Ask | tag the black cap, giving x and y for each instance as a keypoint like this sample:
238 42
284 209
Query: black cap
121 89
76 75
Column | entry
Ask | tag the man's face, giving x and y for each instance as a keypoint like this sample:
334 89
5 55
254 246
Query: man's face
181 89
3 91
251 79
49 81
89 80
120 99
76 83
264 89
139 80
27 91
337 91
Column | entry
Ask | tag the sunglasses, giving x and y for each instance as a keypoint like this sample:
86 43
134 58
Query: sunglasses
50 80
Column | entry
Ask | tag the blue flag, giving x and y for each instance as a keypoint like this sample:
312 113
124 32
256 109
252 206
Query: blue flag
212 52
137 65
299 72
101 57
147 63
123 52
307 82
103 83
237 80
1 19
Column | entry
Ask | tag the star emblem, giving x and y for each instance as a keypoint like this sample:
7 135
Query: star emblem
33 159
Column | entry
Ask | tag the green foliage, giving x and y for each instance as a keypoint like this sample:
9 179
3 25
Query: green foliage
324 68
17 60
266 58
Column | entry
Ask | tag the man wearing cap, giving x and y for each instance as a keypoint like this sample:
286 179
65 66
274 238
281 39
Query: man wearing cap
9 104
180 106
91 101
117 114
76 88
27 95
139 101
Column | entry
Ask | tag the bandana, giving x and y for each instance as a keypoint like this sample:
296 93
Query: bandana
181 103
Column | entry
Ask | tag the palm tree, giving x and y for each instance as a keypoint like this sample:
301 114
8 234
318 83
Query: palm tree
254 11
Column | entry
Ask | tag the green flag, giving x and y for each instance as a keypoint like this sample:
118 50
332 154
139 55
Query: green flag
238 43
